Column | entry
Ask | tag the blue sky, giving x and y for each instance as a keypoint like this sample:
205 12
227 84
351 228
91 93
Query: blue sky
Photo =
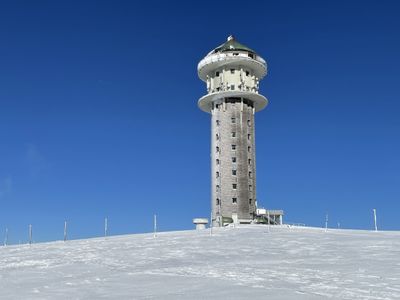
99 117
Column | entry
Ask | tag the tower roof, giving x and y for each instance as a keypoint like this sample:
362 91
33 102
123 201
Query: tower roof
231 45
231 54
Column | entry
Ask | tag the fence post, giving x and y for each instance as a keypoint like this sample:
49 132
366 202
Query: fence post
155 226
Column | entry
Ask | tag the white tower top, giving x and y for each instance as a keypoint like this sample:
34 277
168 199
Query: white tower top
214 68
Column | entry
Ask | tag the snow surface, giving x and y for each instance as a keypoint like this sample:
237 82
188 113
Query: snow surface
235 263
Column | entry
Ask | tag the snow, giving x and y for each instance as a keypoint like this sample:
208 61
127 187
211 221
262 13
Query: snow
235 263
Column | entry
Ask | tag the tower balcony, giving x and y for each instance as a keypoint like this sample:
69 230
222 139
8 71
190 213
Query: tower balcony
228 59
205 103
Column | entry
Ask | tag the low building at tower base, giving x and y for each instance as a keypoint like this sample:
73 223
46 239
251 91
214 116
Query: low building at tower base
269 216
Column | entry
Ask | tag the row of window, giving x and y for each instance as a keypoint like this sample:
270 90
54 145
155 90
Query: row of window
234 186
217 161
234 102
233 134
218 149
234 201
232 87
233 121
217 174
232 72
234 172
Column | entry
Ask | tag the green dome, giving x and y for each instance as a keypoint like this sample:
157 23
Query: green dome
231 45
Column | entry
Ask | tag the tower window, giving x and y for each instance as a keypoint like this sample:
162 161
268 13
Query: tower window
232 71
217 74
217 174
218 201
217 161
217 187
249 148
250 200
250 174
234 200
234 172
233 134
217 136
250 188
234 186
232 86
248 136
234 159
233 120
217 122
233 147
249 161
248 122
247 73
217 149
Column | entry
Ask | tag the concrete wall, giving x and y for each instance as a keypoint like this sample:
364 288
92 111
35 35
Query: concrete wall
228 118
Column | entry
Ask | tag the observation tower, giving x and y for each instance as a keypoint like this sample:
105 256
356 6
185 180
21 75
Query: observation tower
232 72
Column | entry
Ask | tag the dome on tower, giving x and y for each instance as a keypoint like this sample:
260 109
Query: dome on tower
232 54
231 45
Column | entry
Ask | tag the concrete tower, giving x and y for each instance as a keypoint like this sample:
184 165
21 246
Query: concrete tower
232 72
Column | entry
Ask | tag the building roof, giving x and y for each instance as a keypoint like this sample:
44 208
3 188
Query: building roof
231 45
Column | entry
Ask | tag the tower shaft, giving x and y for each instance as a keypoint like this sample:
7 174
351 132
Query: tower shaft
233 160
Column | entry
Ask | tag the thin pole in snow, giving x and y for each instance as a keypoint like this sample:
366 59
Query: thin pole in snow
30 234
326 222
6 238
155 226
268 221
211 224
376 226
105 227
65 231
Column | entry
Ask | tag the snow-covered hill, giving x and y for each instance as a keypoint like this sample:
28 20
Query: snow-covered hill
235 263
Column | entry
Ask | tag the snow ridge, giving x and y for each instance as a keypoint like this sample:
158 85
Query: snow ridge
234 263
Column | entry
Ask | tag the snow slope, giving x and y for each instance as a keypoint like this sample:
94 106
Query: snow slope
235 263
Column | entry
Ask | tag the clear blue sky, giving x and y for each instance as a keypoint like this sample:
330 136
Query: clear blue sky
99 117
